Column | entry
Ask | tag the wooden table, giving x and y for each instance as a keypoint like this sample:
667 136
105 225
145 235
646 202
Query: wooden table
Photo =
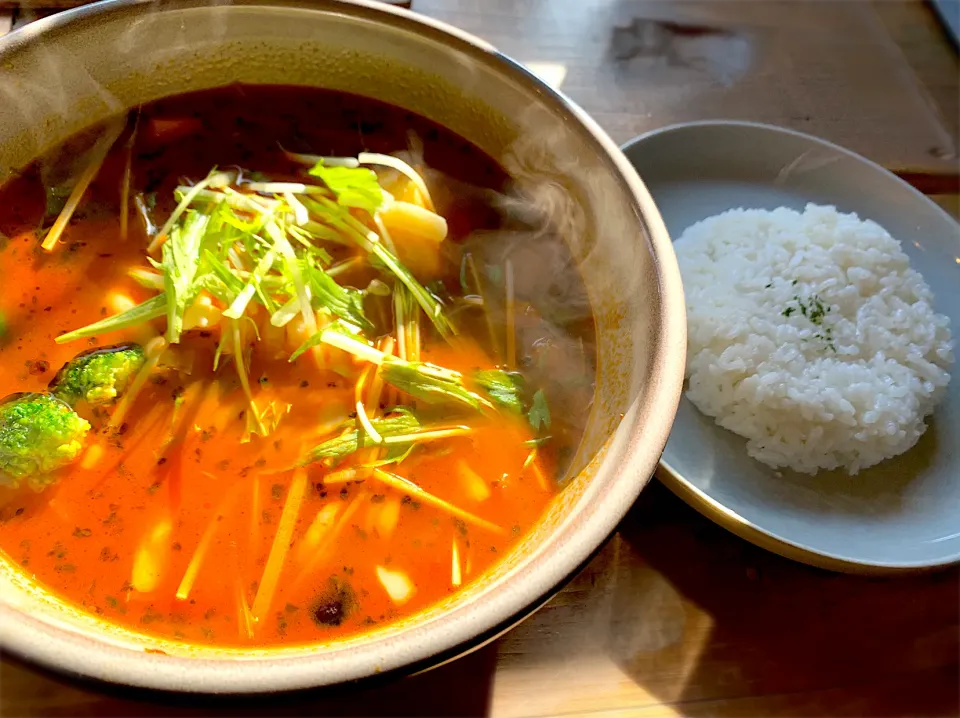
676 616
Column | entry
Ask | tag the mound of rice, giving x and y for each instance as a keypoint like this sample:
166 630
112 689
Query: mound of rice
811 336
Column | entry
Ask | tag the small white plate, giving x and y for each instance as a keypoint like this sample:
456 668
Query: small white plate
903 514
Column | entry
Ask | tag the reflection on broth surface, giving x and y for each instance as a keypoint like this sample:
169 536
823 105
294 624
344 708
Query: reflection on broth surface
268 384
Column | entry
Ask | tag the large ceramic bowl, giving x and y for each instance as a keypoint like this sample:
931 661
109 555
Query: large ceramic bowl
64 73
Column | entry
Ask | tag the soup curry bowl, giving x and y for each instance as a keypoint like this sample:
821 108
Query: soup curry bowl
63 74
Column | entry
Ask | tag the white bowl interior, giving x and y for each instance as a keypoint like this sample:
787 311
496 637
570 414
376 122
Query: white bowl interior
902 513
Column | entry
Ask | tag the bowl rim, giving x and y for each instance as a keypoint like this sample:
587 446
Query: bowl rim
69 651
715 510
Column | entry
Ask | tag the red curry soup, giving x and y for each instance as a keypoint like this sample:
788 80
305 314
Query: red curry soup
278 366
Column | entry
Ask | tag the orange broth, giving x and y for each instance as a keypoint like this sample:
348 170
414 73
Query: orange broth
81 537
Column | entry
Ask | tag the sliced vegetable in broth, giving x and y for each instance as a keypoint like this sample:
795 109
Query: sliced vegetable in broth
259 393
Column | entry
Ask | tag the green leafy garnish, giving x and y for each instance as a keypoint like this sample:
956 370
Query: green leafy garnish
356 233
431 306
400 430
399 421
343 337
180 263
540 441
501 387
539 413
815 311
430 383
153 308
354 186
343 302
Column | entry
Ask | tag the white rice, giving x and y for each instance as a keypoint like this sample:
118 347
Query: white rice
846 389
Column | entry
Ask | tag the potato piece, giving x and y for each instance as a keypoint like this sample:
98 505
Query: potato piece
152 557
417 234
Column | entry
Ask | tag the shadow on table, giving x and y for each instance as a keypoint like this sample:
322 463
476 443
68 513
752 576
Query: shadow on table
461 688
763 625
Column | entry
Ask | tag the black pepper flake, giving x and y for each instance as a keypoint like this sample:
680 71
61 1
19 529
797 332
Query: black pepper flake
344 492
151 616
82 533
39 367
304 384
276 492
377 499
58 551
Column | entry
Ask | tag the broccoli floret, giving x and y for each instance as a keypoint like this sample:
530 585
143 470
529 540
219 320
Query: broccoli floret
38 434
99 376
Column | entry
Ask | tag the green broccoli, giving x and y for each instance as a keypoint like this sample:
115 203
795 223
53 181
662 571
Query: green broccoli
99 376
38 434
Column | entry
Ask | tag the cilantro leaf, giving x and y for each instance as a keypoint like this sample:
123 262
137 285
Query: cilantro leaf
539 413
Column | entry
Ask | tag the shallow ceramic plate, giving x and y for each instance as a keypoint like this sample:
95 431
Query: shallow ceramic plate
899 515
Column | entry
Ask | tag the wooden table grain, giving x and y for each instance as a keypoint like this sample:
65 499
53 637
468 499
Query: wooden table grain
675 616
